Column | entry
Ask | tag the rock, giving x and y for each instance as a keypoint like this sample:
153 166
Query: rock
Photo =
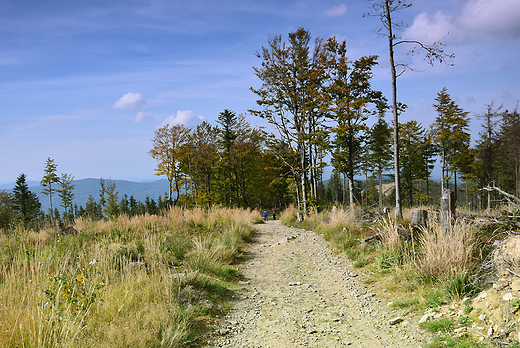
515 285
508 297
395 321
500 285
425 318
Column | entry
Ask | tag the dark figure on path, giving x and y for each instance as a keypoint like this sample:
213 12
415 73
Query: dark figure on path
274 215
265 215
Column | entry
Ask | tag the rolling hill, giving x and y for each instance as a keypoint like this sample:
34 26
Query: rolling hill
86 187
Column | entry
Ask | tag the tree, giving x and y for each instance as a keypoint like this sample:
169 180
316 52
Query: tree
385 10
412 161
450 133
168 144
49 178
487 147
199 160
7 213
347 97
92 209
289 80
66 192
509 135
228 121
380 149
108 198
25 202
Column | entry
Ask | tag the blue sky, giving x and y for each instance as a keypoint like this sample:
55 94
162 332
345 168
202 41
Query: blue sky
87 82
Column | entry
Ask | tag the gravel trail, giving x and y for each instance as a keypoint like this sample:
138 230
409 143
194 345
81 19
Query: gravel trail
298 293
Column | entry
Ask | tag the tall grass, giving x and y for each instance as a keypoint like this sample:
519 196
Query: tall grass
144 281
447 249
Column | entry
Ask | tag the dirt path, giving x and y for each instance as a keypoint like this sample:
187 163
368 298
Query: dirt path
298 293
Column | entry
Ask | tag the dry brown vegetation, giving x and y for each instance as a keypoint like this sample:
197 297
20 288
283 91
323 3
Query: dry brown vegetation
146 281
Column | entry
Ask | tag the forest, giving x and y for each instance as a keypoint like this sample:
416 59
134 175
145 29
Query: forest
327 118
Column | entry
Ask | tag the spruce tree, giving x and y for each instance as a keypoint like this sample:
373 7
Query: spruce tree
49 179
25 202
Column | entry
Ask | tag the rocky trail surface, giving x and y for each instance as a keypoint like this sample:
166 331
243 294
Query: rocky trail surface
298 293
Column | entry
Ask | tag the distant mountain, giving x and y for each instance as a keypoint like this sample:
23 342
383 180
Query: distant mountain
86 187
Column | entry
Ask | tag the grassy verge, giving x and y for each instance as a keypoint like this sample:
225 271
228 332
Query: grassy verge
147 281
418 269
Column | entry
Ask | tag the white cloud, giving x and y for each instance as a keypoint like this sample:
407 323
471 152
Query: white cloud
185 117
142 116
495 18
336 10
478 20
428 28
130 101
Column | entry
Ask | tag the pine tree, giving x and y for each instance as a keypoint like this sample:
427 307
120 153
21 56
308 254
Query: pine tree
380 149
412 162
49 179
487 147
66 193
509 135
25 202
450 132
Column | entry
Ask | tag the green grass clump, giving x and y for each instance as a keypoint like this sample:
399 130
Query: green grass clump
440 325
444 341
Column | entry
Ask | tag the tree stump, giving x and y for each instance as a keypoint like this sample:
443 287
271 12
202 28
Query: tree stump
447 207
419 218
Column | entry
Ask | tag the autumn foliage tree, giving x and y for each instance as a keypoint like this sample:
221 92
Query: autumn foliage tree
168 145
288 100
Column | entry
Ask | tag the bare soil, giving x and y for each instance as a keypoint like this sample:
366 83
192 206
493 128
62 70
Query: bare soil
298 292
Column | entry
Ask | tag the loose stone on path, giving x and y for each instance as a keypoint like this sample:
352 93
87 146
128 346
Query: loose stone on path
298 293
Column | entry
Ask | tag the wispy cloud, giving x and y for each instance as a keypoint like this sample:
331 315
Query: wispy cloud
142 116
183 117
335 11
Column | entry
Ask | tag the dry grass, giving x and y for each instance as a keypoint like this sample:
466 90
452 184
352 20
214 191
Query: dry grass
447 250
289 215
388 230
113 283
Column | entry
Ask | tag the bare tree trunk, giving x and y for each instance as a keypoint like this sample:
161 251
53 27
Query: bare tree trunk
380 188
398 208
351 192
517 172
